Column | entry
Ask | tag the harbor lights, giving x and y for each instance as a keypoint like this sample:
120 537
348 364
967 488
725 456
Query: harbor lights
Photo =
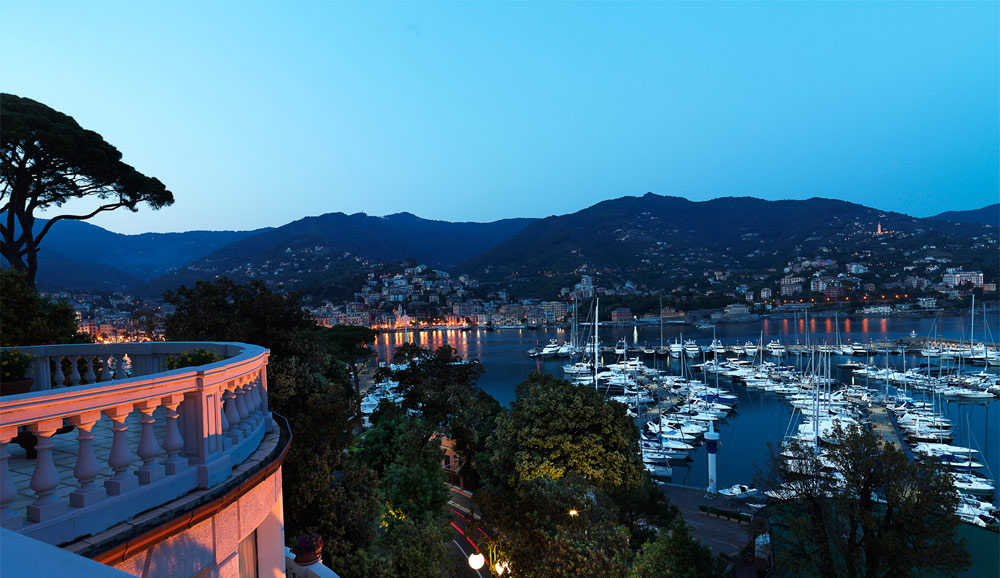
712 446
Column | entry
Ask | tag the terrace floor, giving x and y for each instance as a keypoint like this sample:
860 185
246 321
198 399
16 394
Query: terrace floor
66 448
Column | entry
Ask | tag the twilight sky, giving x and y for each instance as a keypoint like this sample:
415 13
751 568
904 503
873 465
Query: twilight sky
257 114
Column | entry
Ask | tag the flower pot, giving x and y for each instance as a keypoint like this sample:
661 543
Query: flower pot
16 386
307 558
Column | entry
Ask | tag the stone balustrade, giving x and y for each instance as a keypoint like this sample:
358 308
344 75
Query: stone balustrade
132 435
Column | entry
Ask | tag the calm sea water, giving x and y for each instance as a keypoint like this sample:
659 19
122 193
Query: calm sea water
761 417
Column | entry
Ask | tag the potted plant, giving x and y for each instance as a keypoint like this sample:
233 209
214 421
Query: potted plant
307 549
13 369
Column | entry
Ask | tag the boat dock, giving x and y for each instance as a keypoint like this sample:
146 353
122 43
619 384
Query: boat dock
885 428
917 343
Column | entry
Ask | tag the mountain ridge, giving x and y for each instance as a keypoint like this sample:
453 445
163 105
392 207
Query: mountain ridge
651 238
642 236
988 215
344 241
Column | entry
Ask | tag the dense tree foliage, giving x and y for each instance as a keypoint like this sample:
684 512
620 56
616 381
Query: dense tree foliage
554 428
675 554
432 380
350 344
405 454
563 490
410 548
29 319
888 516
555 528
47 159
441 386
247 313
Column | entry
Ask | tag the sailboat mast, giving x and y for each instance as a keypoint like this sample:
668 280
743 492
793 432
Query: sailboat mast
661 323
972 329
597 323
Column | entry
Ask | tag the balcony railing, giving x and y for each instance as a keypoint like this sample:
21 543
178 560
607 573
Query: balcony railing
113 433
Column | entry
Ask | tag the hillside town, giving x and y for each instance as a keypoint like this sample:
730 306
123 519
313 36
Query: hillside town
420 296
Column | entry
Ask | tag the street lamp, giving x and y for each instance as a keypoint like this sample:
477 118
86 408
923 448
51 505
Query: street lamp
476 560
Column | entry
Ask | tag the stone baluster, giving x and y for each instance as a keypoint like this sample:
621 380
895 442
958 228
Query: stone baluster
224 424
122 481
268 423
58 377
119 366
87 466
74 369
149 471
8 491
91 376
45 478
105 364
241 409
253 403
232 417
258 395
173 442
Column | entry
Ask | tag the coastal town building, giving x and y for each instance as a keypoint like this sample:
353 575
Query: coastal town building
621 315
791 285
956 277
736 309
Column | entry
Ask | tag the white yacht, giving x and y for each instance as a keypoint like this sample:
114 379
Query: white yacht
579 368
550 350
740 491
931 351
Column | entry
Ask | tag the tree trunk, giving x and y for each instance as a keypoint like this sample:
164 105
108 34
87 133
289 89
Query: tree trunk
32 268
356 378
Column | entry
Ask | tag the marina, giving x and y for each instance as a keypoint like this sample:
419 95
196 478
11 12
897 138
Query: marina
752 415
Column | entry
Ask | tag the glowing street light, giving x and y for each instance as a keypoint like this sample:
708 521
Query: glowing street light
574 513
476 560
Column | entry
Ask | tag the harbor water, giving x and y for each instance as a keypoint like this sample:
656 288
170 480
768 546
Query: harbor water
760 417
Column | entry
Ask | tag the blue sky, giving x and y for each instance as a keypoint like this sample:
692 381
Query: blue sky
257 114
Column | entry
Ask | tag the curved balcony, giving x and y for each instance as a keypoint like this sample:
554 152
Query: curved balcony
108 433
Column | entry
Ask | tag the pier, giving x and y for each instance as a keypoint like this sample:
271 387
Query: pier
885 428
917 343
